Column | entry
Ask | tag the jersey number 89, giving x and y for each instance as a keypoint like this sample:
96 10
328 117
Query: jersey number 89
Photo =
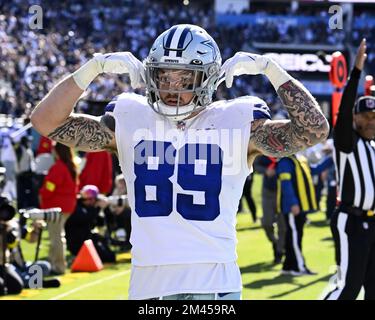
198 175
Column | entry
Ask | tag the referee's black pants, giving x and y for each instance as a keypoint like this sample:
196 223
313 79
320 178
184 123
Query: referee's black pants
354 239
294 260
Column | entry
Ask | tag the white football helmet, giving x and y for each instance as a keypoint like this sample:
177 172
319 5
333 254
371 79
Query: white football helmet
182 71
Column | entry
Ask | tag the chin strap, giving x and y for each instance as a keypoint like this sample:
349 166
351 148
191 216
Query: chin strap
219 82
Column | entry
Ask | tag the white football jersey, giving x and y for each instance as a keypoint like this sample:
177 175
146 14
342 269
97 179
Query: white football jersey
184 185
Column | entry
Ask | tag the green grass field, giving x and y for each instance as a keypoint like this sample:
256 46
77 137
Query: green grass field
261 279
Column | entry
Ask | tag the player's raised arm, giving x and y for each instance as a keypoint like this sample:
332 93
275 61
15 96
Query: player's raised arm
307 125
53 116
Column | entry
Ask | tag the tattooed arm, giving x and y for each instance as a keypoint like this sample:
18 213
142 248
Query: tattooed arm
86 133
53 117
307 125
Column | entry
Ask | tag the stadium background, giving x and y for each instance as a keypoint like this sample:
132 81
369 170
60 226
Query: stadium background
295 32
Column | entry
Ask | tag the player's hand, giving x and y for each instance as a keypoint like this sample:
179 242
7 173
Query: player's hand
243 63
296 210
361 55
120 63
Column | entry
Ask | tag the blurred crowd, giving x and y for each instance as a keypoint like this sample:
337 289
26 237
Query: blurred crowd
34 60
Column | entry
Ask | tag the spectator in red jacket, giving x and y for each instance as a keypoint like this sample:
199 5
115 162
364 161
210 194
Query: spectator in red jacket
45 145
59 189
98 171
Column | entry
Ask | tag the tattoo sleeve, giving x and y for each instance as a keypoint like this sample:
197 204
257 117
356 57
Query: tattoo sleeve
85 133
307 125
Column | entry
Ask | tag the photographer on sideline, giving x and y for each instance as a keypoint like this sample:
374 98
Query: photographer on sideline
10 281
81 224
23 268
13 267
119 216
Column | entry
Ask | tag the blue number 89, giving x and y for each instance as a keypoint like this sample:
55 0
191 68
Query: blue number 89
197 173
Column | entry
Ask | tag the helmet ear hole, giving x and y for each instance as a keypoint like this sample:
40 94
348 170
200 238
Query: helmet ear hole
197 62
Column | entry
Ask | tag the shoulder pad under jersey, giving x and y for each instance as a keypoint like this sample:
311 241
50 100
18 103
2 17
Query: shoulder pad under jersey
126 100
252 108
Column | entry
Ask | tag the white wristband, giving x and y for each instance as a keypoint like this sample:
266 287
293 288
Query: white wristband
87 73
276 74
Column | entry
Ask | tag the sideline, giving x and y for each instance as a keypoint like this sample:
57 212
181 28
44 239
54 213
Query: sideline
88 285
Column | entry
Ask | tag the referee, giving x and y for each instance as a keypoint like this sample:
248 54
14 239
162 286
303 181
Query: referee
353 222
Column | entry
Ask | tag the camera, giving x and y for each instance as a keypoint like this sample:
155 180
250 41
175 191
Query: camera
48 215
118 201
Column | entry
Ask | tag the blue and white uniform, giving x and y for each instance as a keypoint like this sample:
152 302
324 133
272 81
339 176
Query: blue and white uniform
184 187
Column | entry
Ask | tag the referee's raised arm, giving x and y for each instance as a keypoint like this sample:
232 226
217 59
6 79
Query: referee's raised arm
344 136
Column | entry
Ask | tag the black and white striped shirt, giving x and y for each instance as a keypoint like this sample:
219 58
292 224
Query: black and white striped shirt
354 156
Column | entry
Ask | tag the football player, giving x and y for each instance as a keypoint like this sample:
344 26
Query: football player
184 157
